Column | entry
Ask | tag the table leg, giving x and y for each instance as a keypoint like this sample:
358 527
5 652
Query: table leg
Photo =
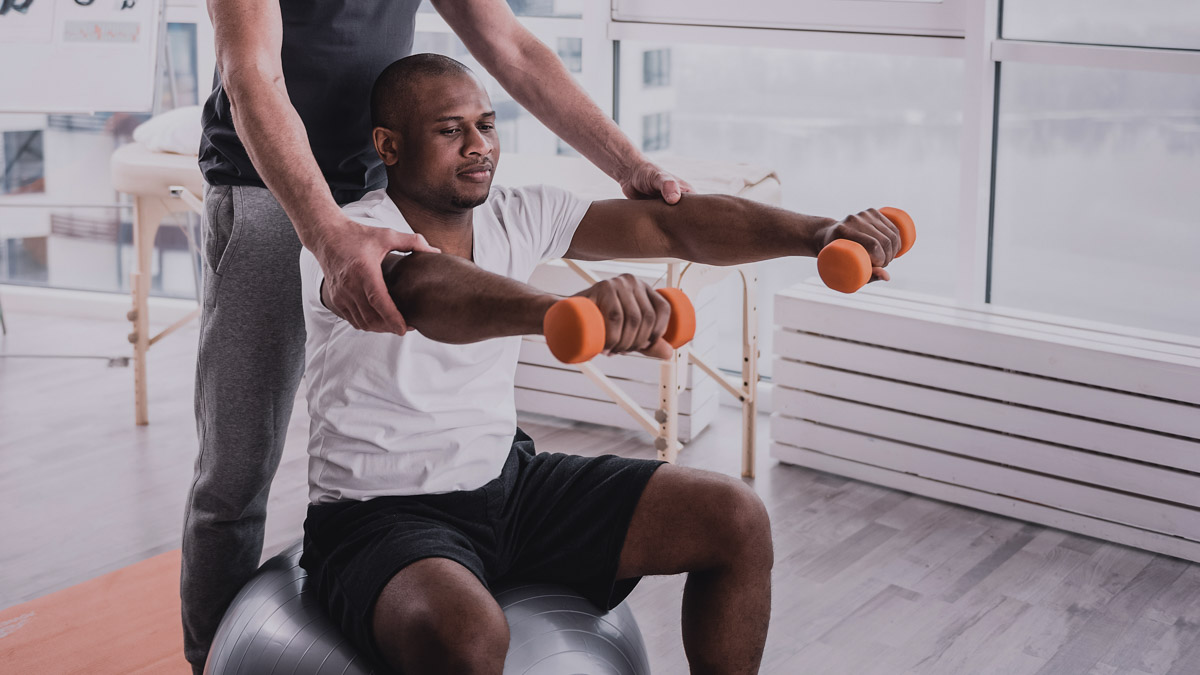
148 214
749 367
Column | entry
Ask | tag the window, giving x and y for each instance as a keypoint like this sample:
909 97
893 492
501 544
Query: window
656 68
518 129
178 81
74 232
562 9
814 118
922 17
563 148
570 50
24 164
1095 197
656 131
24 260
852 107
1141 23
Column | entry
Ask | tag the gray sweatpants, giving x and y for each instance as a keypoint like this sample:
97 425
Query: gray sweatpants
248 366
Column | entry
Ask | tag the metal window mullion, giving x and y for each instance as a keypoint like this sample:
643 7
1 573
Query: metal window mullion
871 43
1097 56
543 26
597 76
977 153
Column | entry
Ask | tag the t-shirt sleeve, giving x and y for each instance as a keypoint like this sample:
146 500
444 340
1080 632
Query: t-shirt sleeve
565 210
311 277
547 217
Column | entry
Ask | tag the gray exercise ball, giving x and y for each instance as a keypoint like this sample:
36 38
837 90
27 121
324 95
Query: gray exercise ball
276 626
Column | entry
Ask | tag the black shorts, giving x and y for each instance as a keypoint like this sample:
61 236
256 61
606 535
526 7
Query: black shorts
547 517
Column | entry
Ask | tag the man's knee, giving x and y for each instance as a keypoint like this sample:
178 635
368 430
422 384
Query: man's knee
430 641
431 630
746 524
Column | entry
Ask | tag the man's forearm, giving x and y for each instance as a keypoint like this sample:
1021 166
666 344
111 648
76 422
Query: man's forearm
726 230
540 83
273 134
450 299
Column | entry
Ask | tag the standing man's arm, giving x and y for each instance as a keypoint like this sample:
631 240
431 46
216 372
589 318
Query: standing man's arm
537 79
249 39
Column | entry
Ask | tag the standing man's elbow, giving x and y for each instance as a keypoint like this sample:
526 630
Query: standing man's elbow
242 76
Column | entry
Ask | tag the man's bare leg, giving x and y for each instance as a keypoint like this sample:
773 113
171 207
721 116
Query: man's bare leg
717 530
434 616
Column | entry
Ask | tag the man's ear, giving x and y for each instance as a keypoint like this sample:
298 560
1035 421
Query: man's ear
387 145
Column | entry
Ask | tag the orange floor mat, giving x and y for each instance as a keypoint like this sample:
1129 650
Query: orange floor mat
126 621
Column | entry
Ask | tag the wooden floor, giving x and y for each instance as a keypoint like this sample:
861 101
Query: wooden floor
867 579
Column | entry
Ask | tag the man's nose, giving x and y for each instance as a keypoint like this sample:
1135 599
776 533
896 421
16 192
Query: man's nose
477 143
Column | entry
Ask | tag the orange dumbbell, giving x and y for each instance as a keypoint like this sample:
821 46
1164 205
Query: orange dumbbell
575 332
845 265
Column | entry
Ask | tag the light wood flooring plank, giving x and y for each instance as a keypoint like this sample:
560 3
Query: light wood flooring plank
1104 629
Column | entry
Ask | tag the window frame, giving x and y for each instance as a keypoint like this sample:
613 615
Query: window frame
918 17
962 29
979 44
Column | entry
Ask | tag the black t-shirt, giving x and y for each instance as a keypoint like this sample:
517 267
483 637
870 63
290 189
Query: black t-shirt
332 52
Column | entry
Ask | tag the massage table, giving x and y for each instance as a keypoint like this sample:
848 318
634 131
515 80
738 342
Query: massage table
161 184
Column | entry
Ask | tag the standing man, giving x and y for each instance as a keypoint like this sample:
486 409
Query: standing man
287 138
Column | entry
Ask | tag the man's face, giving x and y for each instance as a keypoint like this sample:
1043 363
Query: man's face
448 148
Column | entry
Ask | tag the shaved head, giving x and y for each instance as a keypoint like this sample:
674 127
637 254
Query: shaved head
434 127
395 92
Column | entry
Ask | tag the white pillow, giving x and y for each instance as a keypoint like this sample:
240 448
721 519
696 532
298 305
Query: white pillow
176 131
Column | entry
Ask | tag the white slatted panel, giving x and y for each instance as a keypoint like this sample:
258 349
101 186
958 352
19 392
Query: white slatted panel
609 413
573 382
976 444
1067 425
1057 493
997 415
970 336
994 383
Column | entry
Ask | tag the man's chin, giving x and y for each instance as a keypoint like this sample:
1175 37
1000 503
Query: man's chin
469 201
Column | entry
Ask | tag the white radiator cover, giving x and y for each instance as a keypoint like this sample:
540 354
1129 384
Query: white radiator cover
1076 425
545 385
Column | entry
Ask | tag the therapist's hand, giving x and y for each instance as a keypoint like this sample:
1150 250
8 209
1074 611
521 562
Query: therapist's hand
351 256
647 181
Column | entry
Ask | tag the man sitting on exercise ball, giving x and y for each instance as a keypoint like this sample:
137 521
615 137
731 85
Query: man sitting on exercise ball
424 492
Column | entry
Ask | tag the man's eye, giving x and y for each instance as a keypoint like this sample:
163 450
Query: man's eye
449 131
486 127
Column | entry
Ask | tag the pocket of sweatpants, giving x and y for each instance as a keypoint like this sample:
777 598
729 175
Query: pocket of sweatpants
220 236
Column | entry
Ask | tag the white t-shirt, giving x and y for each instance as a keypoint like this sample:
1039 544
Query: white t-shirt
403 415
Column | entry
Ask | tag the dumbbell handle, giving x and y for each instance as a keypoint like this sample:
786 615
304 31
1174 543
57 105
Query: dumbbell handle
575 328
845 266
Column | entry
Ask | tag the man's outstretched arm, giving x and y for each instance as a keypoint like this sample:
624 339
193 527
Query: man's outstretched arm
450 299
721 230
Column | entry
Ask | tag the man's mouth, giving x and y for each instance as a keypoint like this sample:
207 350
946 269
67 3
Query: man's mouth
479 172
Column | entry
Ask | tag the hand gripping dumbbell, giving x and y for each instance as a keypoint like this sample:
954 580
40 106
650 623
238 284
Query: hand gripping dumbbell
845 266
575 331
